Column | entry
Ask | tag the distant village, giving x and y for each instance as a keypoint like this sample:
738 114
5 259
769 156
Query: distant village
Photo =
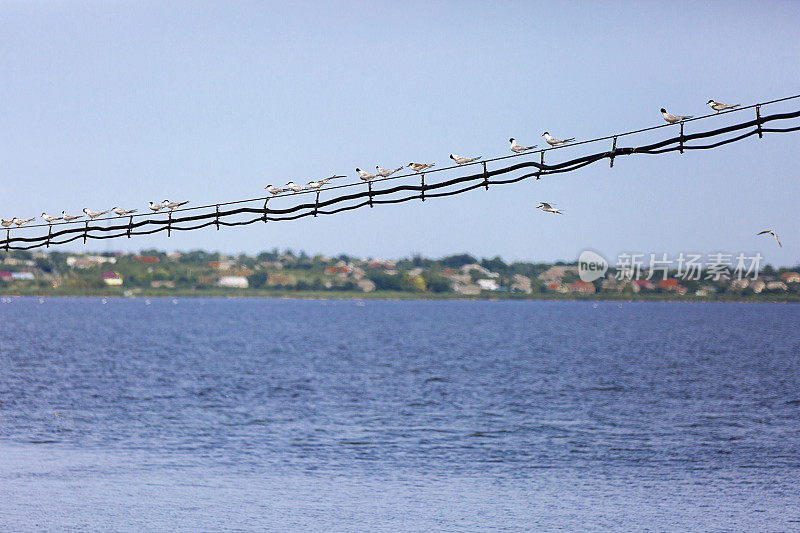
198 272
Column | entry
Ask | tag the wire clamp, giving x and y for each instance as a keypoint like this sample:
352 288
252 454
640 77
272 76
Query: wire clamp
541 165
369 184
681 138
613 151
169 225
217 219
485 176
758 121
130 225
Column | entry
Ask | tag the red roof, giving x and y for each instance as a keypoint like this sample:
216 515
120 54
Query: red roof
146 258
670 283
110 275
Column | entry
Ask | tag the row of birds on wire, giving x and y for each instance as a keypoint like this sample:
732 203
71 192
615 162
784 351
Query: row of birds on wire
365 176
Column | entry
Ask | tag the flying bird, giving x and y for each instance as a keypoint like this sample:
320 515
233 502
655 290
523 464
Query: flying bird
719 106
771 233
122 212
547 208
172 205
47 218
294 187
70 218
366 176
552 141
672 119
273 190
419 167
385 172
20 222
156 207
93 214
461 159
517 149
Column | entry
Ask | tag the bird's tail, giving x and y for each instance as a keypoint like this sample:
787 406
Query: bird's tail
478 157
569 140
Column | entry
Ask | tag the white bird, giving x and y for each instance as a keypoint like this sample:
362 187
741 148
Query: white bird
20 222
122 212
366 176
552 141
49 219
517 149
6 223
155 207
547 208
419 167
385 172
70 218
319 183
461 159
719 106
294 187
93 214
771 233
172 205
672 119
273 190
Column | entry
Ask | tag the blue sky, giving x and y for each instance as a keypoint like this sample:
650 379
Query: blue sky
119 103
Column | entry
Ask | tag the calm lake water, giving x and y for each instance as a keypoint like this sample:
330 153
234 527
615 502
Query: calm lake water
285 415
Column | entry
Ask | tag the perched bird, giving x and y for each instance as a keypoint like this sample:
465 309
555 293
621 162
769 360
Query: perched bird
552 141
122 212
6 223
385 172
172 205
93 214
273 190
366 176
20 222
47 218
771 233
156 207
672 119
294 187
70 218
319 183
719 106
547 208
517 149
461 160
419 167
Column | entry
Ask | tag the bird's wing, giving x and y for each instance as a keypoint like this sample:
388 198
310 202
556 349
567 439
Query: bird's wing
777 239
763 232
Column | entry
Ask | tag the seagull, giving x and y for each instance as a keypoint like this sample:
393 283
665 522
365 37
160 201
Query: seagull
547 208
273 190
460 159
93 214
20 222
552 141
385 172
672 119
6 223
719 106
69 218
49 219
172 205
419 167
156 207
122 212
366 176
517 149
294 187
771 233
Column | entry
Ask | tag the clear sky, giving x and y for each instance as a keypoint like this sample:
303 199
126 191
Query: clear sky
119 103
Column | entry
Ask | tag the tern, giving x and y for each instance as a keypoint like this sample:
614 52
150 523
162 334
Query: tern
20 222
122 212
172 205
155 207
93 214
294 187
385 172
419 167
273 190
49 219
70 218
771 233
319 183
517 149
719 106
461 160
673 119
552 141
547 208
6 223
366 176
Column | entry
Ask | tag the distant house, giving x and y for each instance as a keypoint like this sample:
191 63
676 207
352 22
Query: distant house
233 282
488 284
467 290
111 278
22 276
146 258
642 284
790 277
582 287
757 286
556 273
6 276
776 286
